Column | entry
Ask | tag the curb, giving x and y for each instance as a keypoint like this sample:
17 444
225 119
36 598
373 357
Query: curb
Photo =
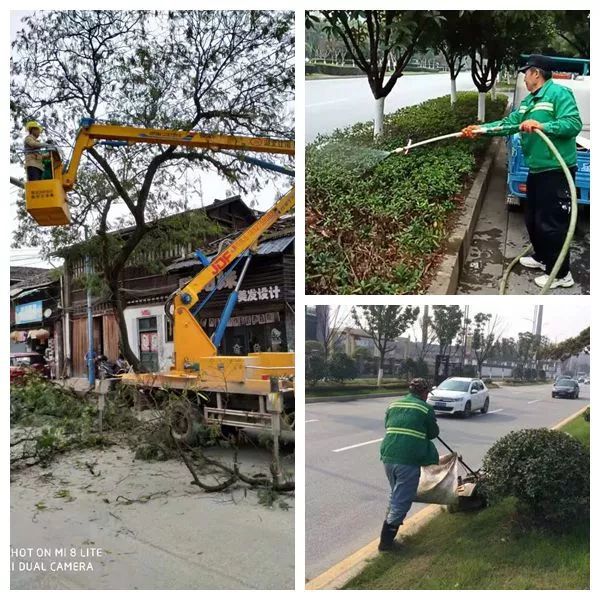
316 399
571 418
337 576
459 242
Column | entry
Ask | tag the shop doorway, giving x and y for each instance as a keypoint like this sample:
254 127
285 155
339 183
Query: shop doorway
148 343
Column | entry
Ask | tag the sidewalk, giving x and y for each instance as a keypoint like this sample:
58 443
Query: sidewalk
501 234
79 385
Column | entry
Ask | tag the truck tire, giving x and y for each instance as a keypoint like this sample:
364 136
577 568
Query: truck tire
183 419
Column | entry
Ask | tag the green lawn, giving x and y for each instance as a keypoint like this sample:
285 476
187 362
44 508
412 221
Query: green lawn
482 551
579 428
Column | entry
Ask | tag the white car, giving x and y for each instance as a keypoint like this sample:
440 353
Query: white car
460 395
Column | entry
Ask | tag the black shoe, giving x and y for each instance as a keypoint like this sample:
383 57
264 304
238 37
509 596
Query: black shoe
387 542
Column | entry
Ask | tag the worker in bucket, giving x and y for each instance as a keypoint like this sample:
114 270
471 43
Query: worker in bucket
33 157
410 425
552 109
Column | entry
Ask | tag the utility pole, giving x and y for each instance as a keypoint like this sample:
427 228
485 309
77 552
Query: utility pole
464 348
537 324
90 320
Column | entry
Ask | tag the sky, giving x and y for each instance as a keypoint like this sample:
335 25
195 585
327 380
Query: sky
560 320
213 186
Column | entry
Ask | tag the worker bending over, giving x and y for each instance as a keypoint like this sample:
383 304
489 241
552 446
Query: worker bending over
551 108
410 425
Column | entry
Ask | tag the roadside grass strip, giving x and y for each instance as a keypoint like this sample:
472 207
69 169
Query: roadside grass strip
484 550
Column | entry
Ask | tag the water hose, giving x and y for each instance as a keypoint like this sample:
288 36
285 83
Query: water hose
570 232
573 190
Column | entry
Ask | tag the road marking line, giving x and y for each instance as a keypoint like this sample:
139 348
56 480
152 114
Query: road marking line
327 102
312 421
357 445
339 574
534 401
491 412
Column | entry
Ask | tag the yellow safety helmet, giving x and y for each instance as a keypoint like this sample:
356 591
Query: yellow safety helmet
31 124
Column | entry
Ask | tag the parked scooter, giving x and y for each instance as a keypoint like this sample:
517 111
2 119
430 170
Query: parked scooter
108 369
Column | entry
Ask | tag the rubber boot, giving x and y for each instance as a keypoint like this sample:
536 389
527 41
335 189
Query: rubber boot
387 542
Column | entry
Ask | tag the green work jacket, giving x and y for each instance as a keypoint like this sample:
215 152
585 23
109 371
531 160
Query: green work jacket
410 425
554 106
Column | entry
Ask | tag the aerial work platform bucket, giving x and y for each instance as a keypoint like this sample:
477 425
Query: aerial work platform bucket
45 199
46 202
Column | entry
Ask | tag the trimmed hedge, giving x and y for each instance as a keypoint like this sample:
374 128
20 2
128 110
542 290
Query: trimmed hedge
379 230
547 471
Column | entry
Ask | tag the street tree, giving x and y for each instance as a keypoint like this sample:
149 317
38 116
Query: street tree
530 347
447 321
496 38
379 41
573 28
485 334
570 347
331 321
424 334
225 71
450 41
384 324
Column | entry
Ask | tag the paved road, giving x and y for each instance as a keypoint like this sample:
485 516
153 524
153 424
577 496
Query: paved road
346 490
182 538
335 103
501 234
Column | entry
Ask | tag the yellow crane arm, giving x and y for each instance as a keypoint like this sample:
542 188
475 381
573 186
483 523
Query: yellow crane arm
242 243
90 134
191 341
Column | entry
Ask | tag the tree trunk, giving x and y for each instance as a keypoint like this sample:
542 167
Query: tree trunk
119 309
378 128
379 375
493 91
453 95
481 107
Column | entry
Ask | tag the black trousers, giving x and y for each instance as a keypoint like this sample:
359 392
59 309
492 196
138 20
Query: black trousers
547 216
34 174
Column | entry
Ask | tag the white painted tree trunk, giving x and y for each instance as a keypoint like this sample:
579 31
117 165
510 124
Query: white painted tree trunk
379 377
481 107
453 95
494 92
378 129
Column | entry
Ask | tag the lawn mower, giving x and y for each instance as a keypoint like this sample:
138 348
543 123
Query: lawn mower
442 484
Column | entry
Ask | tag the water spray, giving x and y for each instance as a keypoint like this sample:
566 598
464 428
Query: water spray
404 150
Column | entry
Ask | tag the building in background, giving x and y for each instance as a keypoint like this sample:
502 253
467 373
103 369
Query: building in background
263 319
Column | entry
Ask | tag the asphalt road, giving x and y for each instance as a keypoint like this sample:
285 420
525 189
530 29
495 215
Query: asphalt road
346 489
334 103
501 234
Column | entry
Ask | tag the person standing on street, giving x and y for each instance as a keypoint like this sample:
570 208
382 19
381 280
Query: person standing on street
410 425
551 108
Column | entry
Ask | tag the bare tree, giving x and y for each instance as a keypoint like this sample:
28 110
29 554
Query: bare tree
226 71
486 331
383 324
331 322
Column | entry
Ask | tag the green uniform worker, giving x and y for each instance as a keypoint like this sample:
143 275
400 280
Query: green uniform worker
410 425
552 109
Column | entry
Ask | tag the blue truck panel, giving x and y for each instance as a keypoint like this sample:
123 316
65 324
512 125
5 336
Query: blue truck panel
518 171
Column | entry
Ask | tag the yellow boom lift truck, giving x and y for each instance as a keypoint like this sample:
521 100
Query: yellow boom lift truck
251 392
